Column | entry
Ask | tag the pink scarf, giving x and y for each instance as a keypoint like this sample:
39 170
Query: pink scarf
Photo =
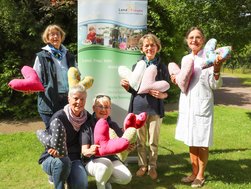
74 120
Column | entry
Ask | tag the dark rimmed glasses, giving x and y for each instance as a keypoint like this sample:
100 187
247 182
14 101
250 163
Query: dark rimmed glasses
100 106
103 107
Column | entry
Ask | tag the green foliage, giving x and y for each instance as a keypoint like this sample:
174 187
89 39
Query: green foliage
21 26
160 23
227 21
22 23
228 166
11 100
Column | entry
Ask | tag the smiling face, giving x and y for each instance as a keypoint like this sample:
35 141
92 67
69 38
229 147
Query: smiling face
54 35
102 107
77 102
149 48
55 38
150 45
195 40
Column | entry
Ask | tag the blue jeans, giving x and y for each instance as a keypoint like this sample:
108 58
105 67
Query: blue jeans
63 169
46 119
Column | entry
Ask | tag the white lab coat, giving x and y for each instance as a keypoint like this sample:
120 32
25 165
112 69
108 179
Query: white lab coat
195 119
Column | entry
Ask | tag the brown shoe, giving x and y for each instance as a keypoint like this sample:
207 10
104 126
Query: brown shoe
188 179
197 183
153 173
141 172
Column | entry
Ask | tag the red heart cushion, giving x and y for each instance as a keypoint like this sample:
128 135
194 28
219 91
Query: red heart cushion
140 120
31 81
130 121
136 121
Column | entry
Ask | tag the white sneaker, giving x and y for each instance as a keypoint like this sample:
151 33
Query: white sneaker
50 180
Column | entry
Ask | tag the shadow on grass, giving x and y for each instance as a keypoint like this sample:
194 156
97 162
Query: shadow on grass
223 170
172 167
228 97
249 114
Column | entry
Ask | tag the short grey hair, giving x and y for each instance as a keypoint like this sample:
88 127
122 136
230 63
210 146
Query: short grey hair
77 89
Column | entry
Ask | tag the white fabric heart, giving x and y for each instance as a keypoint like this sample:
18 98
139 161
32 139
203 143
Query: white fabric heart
134 77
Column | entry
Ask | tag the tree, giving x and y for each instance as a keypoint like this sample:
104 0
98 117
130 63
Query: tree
21 24
227 21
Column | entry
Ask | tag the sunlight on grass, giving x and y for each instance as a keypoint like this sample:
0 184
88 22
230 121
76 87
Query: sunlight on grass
229 163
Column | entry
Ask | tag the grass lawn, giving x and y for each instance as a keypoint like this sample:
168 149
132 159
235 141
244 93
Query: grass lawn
229 161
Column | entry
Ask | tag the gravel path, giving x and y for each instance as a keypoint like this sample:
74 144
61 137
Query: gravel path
232 93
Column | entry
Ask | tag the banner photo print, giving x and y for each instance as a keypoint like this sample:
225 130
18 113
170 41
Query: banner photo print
108 35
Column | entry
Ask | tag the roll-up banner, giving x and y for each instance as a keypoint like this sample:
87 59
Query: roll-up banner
108 35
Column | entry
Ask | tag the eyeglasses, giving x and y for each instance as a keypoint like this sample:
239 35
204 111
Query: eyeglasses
54 34
153 45
101 96
103 107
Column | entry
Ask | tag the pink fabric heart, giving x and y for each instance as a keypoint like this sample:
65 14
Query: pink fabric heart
148 81
183 75
31 81
107 146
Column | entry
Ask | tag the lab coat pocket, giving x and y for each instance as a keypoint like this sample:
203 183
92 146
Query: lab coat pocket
203 108
205 99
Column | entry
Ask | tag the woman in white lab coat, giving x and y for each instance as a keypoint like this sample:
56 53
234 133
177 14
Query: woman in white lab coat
195 122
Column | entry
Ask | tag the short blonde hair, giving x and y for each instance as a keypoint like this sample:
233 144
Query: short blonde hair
101 97
45 35
152 38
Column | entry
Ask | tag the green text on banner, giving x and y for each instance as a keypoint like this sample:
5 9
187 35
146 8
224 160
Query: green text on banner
108 35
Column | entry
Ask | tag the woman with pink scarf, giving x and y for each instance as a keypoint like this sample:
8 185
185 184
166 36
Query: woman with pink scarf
66 167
